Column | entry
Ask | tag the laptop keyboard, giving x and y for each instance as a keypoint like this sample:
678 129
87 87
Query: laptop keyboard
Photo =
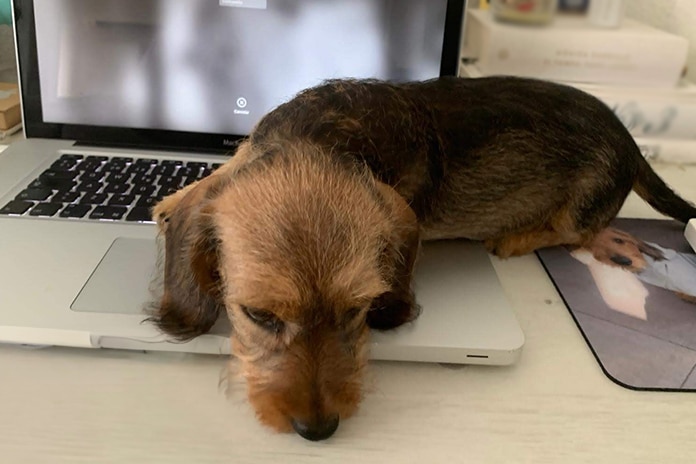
104 188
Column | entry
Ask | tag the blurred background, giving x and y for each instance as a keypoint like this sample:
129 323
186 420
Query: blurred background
638 56
676 16
8 69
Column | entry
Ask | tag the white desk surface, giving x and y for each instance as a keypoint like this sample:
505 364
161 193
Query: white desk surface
554 406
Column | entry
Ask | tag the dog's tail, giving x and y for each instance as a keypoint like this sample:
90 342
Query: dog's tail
651 188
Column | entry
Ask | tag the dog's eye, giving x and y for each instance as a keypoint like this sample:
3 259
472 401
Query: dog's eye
351 316
264 319
619 241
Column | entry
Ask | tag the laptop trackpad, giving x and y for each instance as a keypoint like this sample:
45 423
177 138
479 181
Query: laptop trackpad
124 280
127 281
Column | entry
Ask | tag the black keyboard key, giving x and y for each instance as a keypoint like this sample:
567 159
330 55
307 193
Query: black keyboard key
117 187
117 177
145 161
91 175
122 159
108 212
204 173
164 191
63 165
58 179
121 200
144 189
88 166
45 209
70 156
196 164
75 211
38 183
38 194
144 179
216 166
171 163
170 181
138 169
190 180
139 214
16 207
97 158
60 184
51 175
113 167
65 197
89 186
187 171
148 201
93 198
163 170
65 187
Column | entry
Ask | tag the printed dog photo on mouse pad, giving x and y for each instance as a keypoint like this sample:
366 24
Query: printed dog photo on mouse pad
632 292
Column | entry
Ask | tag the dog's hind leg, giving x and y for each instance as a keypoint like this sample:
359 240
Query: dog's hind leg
560 230
526 242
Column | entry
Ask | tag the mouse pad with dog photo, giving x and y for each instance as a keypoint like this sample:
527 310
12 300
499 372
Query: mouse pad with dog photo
632 293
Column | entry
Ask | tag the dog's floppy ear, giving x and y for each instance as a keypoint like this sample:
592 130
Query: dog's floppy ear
650 250
402 243
192 298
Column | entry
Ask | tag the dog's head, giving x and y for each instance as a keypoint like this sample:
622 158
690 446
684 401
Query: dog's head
620 249
295 248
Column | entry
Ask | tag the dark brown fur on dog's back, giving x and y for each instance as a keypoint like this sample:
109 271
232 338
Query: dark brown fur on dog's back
483 158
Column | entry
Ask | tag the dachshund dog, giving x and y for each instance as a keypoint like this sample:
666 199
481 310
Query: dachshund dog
308 236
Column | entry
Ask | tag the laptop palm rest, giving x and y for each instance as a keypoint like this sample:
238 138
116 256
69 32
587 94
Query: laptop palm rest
465 319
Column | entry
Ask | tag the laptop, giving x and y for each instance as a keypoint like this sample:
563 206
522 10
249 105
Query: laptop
125 101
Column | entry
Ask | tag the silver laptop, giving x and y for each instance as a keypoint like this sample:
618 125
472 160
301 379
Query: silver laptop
125 101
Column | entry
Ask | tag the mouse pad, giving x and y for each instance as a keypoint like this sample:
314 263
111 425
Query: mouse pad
632 294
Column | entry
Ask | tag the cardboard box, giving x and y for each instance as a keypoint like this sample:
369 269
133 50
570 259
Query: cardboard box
571 50
10 114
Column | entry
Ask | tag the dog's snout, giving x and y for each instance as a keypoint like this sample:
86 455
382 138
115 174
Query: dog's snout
316 430
621 260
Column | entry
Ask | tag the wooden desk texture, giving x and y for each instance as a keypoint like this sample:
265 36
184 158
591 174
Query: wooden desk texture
555 406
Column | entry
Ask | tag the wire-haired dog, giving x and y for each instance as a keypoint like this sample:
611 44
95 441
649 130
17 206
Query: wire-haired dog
308 236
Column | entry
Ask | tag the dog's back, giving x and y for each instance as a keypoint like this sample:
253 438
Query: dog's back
373 122
542 137
482 158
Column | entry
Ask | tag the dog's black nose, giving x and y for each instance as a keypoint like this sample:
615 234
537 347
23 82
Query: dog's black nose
621 260
316 430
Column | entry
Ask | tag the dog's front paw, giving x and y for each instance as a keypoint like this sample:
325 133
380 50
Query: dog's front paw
390 310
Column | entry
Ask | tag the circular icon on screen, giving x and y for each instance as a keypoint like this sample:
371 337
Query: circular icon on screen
241 102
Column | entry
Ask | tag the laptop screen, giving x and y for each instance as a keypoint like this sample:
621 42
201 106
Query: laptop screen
181 70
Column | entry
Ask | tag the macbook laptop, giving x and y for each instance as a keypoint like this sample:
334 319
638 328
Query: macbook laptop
125 101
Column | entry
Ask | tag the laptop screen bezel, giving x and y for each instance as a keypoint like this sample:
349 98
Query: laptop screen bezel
35 127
